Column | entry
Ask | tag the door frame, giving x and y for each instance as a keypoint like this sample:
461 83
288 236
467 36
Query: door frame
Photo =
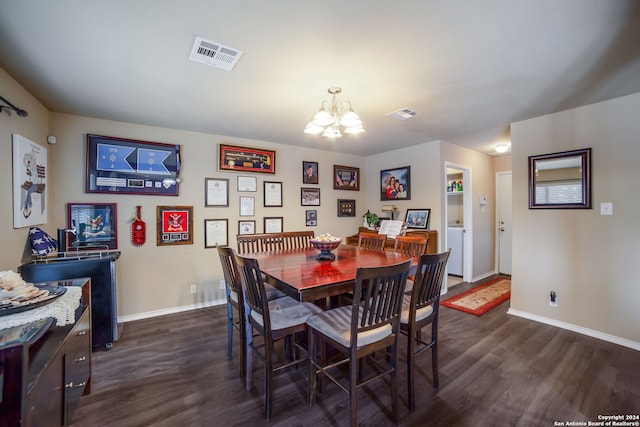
467 213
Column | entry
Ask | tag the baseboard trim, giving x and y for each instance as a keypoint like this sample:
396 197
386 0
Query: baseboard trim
483 276
575 328
173 310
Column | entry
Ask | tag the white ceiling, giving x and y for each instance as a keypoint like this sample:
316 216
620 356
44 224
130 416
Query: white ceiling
469 67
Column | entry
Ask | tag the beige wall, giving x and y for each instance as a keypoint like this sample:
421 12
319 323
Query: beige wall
589 260
34 127
429 186
152 278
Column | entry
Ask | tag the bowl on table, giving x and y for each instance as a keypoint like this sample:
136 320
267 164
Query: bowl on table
325 245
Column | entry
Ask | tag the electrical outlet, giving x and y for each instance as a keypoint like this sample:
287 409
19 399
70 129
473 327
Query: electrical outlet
553 299
222 284
194 288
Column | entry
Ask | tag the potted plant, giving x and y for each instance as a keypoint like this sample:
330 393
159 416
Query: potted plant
370 220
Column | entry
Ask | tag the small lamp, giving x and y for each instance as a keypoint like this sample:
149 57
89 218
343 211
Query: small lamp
389 208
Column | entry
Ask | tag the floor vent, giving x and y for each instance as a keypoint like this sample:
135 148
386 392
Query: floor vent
403 114
214 54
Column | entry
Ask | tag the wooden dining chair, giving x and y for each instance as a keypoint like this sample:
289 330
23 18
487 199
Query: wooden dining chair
368 325
274 320
411 245
235 303
372 241
420 309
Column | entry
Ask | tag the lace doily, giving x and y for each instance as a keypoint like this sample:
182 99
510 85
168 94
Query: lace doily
63 309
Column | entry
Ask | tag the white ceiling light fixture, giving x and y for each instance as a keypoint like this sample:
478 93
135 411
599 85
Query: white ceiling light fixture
333 116
502 147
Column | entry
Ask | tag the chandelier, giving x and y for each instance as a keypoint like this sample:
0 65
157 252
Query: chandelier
334 118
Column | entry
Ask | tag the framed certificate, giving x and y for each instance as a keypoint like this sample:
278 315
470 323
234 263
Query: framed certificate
216 192
273 224
247 227
216 233
247 206
247 184
272 194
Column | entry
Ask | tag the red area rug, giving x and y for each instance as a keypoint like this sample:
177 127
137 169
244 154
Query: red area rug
482 298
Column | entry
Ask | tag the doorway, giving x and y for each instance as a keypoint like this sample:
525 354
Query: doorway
458 222
504 229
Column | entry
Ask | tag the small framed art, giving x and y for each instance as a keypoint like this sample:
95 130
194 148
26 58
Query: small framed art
216 232
309 172
311 218
310 196
216 192
247 227
273 224
174 225
418 218
96 225
346 207
346 178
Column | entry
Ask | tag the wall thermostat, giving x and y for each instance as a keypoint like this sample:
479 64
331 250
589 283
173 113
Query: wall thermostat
483 200
51 139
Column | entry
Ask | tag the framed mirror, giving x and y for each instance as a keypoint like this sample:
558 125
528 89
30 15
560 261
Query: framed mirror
560 180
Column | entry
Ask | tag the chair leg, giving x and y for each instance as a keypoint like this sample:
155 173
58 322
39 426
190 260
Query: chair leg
394 383
434 354
411 346
229 330
243 350
249 348
268 378
313 375
353 390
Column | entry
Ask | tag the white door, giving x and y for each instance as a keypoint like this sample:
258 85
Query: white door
503 216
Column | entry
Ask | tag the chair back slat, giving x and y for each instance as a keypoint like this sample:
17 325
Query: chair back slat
429 278
377 297
255 295
372 241
411 245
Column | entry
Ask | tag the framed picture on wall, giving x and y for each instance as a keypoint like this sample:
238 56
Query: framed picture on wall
346 178
311 218
247 227
395 184
418 218
310 196
216 233
174 225
273 224
309 172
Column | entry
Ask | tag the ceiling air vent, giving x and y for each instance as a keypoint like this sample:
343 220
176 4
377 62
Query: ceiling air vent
214 54
403 114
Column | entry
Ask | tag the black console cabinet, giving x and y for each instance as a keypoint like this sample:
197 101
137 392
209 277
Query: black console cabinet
101 268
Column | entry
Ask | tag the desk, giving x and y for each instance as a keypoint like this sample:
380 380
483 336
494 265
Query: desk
297 273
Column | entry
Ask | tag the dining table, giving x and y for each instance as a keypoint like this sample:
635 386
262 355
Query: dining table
298 273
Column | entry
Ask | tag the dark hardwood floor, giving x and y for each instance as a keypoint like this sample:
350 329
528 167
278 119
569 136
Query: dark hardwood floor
495 370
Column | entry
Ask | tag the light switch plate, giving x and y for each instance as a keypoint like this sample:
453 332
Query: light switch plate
606 208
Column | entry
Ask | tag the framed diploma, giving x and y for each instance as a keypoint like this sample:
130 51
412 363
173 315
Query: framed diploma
247 227
216 233
216 192
272 194
247 183
247 206
273 224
